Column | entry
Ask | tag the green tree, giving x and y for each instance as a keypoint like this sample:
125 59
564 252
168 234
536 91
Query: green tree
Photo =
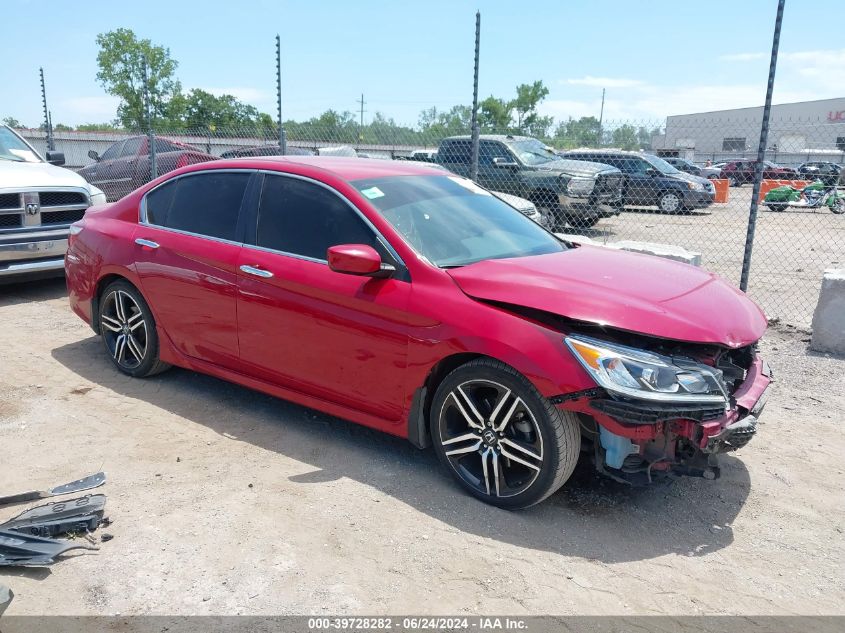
625 137
583 132
12 122
121 61
97 127
61 127
205 111
494 114
528 97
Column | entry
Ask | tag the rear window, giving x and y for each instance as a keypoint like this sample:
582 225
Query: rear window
206 204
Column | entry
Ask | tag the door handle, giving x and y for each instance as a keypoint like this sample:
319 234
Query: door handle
140 241
258 272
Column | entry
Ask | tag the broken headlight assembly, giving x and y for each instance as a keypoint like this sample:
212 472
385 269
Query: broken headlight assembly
643 375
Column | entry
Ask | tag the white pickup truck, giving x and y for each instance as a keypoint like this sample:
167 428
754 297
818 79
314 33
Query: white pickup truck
38 203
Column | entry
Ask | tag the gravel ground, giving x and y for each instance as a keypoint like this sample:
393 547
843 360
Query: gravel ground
791 249
226 501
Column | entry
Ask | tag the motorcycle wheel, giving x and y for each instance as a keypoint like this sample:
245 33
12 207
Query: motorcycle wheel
776 207
838 206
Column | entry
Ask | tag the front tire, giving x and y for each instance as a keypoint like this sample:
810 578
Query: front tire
670 202
128 330
777 208
838 206
500 438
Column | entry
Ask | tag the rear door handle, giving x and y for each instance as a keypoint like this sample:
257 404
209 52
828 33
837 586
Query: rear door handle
258 272
140 241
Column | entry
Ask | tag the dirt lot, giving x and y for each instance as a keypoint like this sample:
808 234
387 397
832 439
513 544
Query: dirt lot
227 501
791 249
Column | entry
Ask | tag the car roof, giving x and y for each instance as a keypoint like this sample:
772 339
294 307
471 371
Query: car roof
344 167
492 137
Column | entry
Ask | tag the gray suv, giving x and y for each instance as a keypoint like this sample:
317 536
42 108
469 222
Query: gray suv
580 193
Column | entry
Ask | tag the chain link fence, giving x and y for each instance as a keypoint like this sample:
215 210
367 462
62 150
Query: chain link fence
685 182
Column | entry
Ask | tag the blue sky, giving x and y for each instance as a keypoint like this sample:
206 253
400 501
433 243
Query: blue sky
654 57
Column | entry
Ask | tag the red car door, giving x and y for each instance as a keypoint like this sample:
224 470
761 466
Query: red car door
338 337
187 249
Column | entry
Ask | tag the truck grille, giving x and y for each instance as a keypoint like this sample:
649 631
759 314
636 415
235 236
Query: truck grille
608 185
61 217
10 220
56 208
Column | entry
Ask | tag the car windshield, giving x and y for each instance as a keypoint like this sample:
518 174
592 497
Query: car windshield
13 148
533 152
453 222
659 164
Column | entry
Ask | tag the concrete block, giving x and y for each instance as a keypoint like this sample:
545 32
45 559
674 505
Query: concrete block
829 317
667 251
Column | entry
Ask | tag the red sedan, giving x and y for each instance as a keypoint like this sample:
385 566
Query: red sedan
405 298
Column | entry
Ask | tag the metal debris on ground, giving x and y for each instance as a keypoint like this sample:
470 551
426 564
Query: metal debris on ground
82 514
26 550
86 483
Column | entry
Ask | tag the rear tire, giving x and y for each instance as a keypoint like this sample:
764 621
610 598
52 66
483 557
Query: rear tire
499 437
128 331
838 206
777 208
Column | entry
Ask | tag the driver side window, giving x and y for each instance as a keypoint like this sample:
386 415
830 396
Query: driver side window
487 151
302 218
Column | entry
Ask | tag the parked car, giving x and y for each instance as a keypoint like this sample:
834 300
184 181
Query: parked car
651 181
126 165
265 150
825 171
408 299
38 202
739 172
424 155
525 207
682 164
563 190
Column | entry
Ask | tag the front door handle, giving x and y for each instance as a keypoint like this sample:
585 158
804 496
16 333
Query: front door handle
140 241
258 272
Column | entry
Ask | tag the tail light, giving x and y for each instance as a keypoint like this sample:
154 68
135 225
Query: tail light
182 161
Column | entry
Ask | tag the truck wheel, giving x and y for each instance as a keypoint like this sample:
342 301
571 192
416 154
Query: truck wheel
583 223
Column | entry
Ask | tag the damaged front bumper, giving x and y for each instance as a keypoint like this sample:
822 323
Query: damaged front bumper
635 441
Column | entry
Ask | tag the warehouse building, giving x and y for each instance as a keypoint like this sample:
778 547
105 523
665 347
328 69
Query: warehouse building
808 130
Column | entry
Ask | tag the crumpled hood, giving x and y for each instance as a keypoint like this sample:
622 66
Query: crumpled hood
576 167
19 175
627 291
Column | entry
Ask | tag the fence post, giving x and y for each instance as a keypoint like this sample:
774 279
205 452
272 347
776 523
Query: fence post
151 145
48 123
761 152
473 169
283 145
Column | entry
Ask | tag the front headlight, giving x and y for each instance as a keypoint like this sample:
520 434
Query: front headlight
643 375
695 186
97 196
578 186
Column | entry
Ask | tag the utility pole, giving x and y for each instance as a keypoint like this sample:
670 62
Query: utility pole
601 114
283 143
361 124
48 127
761 152
473 169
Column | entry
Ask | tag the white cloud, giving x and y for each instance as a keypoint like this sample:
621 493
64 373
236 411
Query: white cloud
743 57
824 67
605 82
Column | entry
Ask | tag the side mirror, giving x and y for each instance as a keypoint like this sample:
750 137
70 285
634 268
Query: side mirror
503 162
56 158
358 259
93 155
652 172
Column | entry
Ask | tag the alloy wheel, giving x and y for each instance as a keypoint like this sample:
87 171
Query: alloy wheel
124 329
490 438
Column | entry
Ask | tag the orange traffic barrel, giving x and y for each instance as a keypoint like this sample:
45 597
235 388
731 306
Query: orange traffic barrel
722 186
